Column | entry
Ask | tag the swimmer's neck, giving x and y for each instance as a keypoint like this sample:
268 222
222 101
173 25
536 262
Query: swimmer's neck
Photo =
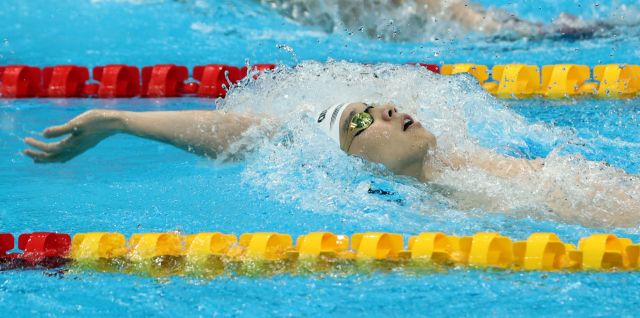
433 164
429 174
423 170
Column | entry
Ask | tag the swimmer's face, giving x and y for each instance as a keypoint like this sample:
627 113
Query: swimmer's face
395 140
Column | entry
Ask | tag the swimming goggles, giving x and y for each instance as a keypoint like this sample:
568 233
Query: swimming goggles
359 122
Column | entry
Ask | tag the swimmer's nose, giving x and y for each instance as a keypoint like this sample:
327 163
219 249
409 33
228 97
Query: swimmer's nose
387 112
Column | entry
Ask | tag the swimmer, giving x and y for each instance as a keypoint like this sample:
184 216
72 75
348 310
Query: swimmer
377 133
368 16
475 16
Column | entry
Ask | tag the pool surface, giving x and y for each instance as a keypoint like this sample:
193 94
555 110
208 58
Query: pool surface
129 185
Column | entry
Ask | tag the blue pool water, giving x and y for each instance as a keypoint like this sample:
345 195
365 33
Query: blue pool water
135 186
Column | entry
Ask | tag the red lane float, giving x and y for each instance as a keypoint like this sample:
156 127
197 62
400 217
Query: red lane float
20 81
190 88
7 243
257 67
163 80
431 67
212 77
41 250
116 80
38 245
64 80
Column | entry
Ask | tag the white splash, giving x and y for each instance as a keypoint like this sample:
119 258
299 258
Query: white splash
300 164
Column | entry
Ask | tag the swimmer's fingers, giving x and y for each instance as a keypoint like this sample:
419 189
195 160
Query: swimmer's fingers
57 131
61 151
38 157
43 157
52 147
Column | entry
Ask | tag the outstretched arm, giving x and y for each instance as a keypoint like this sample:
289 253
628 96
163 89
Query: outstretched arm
461 11
475 16
593 194
205 133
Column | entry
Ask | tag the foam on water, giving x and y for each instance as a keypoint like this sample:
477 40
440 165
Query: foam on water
300 164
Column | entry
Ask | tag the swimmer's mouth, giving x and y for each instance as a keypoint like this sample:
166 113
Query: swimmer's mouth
407 122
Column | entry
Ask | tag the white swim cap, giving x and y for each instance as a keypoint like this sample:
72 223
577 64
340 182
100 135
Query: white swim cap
328 120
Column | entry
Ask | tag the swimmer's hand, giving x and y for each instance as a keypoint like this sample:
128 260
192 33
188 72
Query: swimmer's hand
84 132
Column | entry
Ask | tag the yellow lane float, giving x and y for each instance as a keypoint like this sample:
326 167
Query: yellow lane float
617 80
514 80
540 252
318 244
265 246
98 245
205 244
376 245
554 81
605 251
435 247
487 249
480 72
148 245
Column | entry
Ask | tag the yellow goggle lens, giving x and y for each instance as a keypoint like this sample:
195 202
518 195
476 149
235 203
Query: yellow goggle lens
361 121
